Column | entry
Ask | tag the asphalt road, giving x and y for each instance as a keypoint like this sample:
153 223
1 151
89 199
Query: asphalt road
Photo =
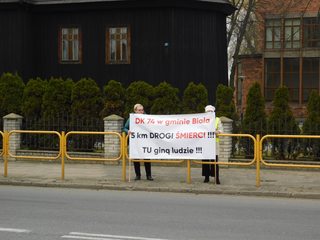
31 213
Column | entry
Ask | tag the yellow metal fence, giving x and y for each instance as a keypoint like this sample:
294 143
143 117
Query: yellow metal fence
123 153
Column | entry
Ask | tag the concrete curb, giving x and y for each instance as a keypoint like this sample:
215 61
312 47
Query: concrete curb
121 187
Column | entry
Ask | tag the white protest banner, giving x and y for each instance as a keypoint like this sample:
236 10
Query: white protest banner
186 136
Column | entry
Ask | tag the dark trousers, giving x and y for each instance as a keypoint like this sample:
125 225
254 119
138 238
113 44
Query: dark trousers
147 167
210 169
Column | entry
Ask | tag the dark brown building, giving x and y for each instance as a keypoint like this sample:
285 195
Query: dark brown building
177 41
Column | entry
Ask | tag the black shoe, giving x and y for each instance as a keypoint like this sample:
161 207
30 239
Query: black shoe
206 179
149 178
217 181
137 178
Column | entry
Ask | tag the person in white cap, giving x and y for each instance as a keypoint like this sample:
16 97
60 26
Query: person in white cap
209 169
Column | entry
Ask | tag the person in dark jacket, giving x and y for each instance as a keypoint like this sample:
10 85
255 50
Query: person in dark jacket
210 169
138 108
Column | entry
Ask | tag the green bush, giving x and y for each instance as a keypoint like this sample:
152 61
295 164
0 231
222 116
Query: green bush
166 99
195 98
87 103
312 125
225 107
225 103
32 98
282 122
114 99
56 109
11 92
56 100
139 92
87 100
255 118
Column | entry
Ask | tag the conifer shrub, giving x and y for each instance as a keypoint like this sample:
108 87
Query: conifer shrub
139 92
87 103
195 98
166 99
311 126
282 122
114 99
32 98
11 92
225 107
225 103
56 110
255 118
31 110
56 102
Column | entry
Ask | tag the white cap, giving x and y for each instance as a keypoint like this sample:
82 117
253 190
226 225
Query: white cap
209 108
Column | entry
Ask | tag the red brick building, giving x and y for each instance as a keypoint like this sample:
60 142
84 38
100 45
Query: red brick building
288 53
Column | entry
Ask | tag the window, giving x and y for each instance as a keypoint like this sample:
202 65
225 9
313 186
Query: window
273 33
311 32
118 45
284 33
291 77
292 33
272 77
70 45
311 76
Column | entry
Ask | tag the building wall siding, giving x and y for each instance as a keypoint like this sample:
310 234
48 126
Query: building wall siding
196 48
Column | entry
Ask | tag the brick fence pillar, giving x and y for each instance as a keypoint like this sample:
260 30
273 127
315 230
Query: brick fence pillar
112 123
11 122
225 142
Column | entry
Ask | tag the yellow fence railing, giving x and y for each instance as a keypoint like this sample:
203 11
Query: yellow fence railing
252 162
3 144
105 159
63 153
3 152
8 153
11 133
264 162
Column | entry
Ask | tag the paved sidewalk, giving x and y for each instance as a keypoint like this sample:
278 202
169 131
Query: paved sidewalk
236 181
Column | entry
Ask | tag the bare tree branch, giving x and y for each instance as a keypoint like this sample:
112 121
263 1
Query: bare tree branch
240 35
234 18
